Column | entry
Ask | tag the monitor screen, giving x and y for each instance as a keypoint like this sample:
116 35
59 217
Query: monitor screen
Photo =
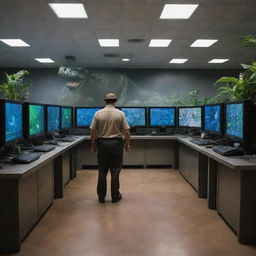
135 116
13 121
36 119
234 119
190 117
162 116
66 117
53 118
212 118
84 116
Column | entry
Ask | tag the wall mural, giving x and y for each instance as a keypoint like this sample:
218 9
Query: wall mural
86 87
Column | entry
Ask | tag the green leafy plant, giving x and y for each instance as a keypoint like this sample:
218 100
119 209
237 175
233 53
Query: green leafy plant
15 88
193 96
249 40
174 101
241 88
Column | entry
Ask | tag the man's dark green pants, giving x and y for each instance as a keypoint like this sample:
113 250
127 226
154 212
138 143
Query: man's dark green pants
110 157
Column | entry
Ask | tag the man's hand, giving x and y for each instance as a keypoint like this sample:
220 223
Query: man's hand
127 147
94 149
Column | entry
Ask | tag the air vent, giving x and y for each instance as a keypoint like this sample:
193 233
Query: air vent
110 55
136 41
70 58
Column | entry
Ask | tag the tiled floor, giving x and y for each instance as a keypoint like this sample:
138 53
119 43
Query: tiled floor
160 215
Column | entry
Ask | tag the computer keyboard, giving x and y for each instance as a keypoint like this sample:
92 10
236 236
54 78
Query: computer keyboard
202 142
26 158
68 139
44 148
228 151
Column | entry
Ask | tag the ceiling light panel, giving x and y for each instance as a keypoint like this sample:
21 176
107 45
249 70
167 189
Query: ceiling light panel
109 42
178 11
125 59
15 42
44 60
159 42
203 43
218 60
69 11
178 61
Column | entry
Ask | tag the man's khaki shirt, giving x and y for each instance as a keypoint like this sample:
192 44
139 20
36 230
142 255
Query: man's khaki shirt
109 122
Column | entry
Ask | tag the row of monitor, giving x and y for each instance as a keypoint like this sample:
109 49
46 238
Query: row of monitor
29 120
19 120
219 119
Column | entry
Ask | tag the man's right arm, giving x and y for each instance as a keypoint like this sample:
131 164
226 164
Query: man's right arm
127 144
94 135
94 147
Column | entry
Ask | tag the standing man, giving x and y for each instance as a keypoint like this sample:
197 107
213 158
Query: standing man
107 128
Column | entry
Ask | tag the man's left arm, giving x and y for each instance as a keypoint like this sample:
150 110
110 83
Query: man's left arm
94 136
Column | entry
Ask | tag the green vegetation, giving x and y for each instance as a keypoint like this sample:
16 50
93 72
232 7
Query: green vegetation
15 88
241 88
249 40
232 88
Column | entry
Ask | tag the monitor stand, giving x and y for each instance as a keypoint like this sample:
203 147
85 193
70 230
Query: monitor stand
162 130
50 136
133 130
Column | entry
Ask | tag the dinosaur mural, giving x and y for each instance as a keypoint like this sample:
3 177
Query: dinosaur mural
87 87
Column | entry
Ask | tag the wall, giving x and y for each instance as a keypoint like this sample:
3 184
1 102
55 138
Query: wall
134 87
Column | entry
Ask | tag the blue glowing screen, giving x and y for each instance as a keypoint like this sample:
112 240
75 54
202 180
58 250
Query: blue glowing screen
84 116
66 117
36 119
234 120
190 117
135 116
53 118
13 121
212 118
162 116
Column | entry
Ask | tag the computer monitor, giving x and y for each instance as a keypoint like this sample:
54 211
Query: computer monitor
213 119
84 116
66 117
34 116
190 117
136 116
162 116
52 118
11 122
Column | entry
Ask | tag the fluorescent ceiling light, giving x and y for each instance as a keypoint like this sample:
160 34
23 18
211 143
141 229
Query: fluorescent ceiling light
159 42
15 42
203 43
218 60
178 61
125 59
109 42
178 11
44 60
69 11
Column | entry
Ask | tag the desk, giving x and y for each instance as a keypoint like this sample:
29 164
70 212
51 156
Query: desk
27 191
146 151
231 188
229 183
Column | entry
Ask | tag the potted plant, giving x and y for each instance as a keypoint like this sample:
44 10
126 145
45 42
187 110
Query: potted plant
15 88
241 88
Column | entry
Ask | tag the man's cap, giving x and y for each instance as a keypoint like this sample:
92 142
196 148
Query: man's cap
110 96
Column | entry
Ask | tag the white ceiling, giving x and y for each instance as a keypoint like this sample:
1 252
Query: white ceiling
35 23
